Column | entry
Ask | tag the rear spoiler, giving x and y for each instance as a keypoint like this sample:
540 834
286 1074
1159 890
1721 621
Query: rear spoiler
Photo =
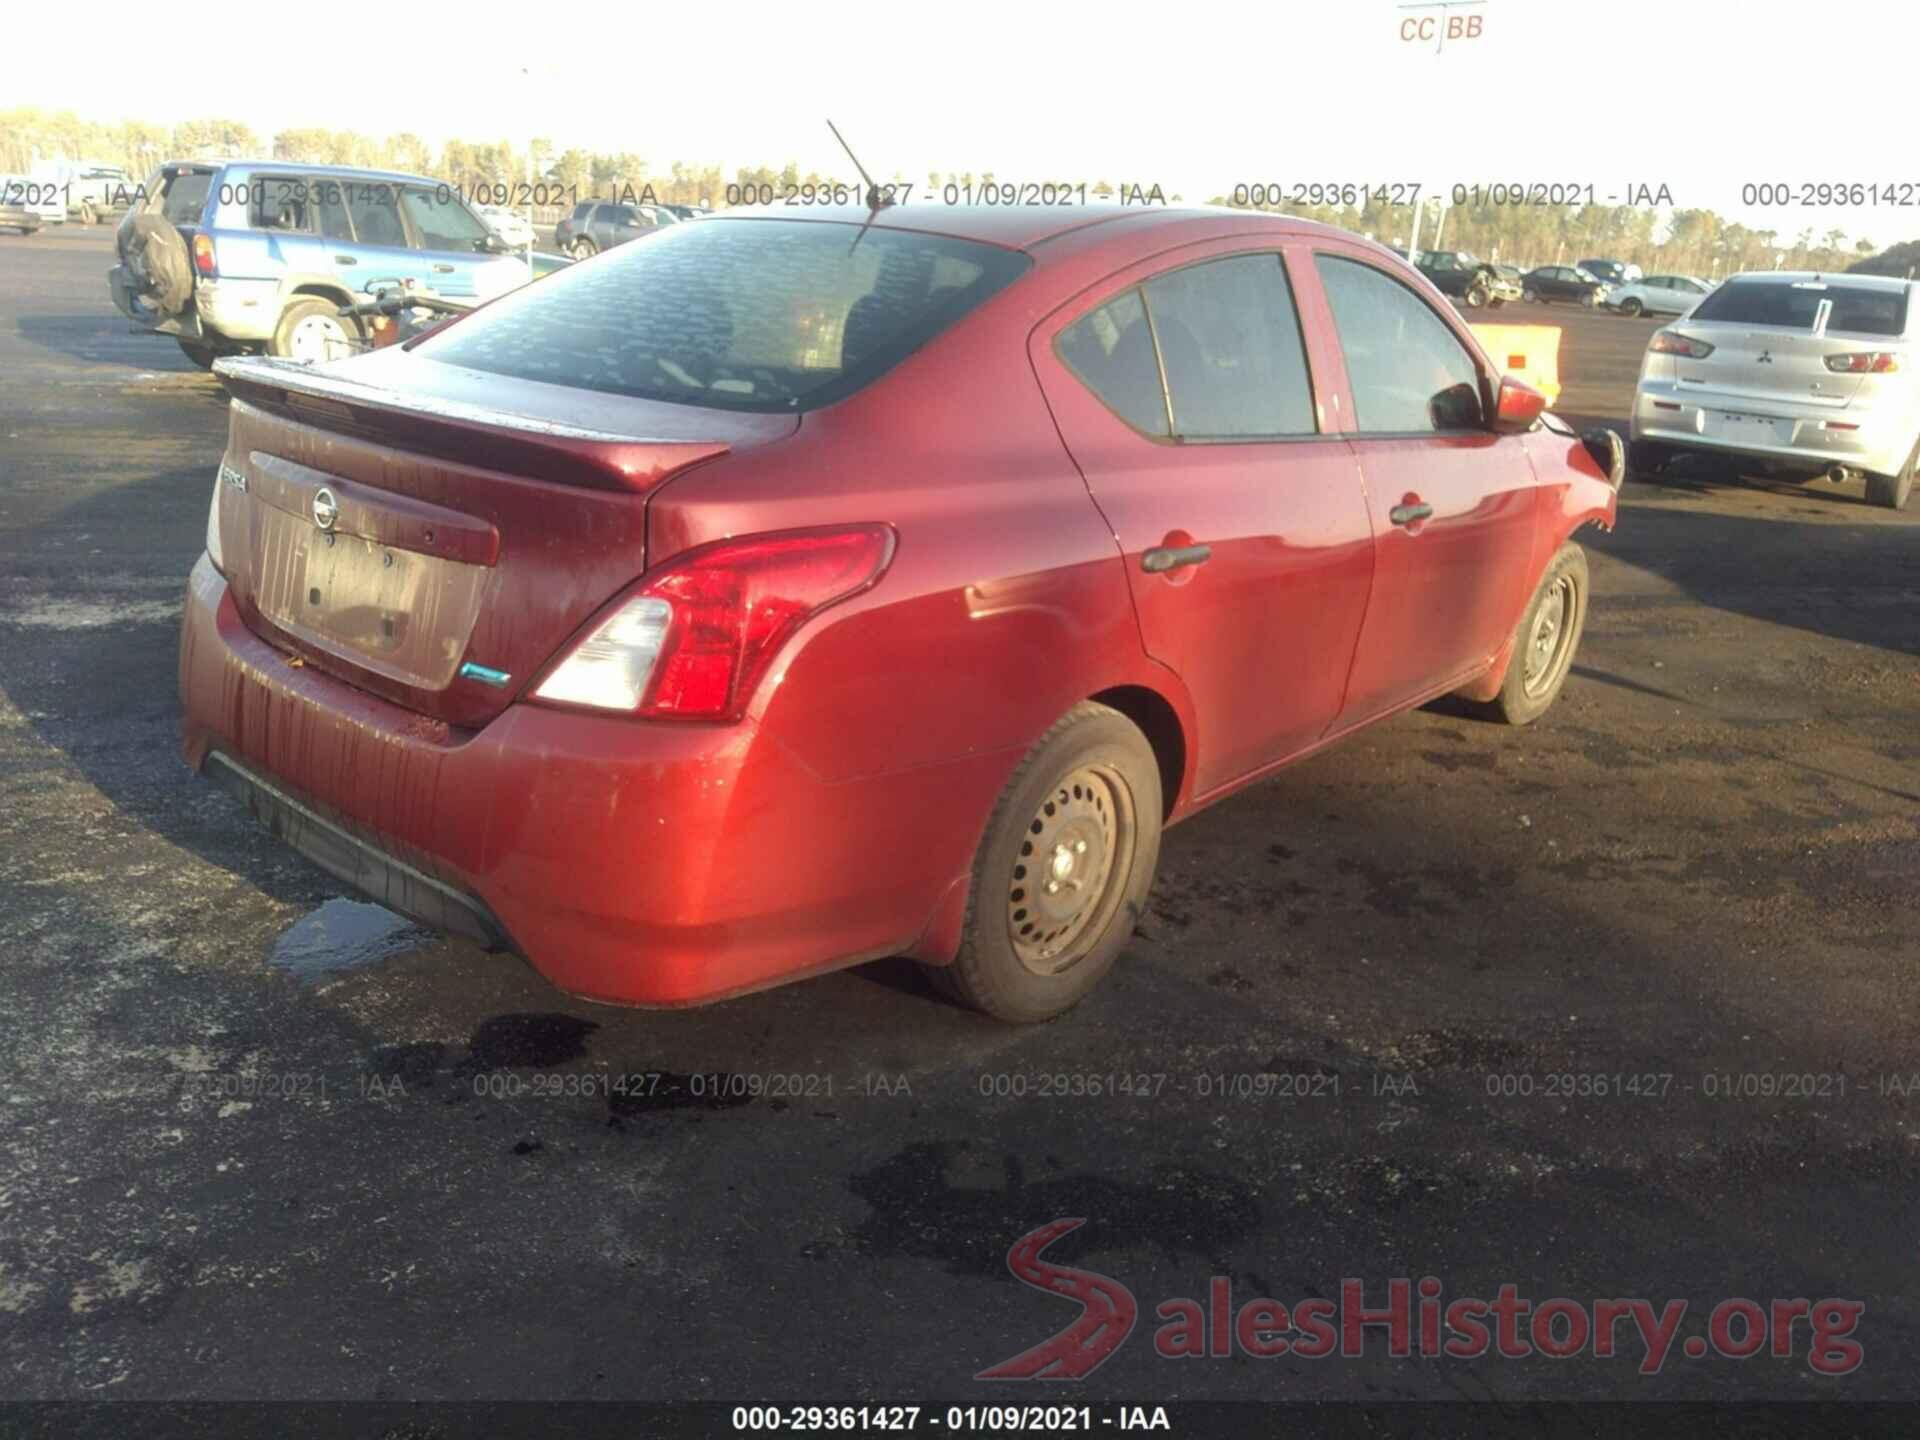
450 429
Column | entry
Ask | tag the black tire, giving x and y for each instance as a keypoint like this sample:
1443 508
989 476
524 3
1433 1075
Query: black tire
1536 675
200 354
1632 308
583 249
1531 296
287 341
1475 297
1092 774
1893 491
1646 460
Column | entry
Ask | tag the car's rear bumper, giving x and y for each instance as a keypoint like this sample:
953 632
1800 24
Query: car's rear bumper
1775 430
634 862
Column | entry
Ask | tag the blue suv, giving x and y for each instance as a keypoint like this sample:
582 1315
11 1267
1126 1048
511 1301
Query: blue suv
240 257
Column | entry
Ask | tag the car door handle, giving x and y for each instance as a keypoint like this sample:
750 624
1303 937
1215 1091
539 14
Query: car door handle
443 269
345 260
1162 558
1407 514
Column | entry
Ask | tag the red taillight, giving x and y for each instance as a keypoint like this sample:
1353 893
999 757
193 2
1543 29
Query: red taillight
203 254
1666 342
1866 362
693 641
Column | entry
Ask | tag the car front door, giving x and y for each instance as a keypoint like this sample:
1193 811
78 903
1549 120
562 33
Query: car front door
451 241
1184 394
1452 503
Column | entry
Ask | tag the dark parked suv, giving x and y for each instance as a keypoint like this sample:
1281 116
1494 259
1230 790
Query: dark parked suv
600 225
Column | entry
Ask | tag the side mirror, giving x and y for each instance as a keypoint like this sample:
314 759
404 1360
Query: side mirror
1517 407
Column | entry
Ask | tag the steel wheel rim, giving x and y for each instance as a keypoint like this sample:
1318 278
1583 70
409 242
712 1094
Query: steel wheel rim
1072 868
317 337
1550 642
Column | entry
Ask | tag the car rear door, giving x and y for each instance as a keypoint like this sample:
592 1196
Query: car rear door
1183 392
1452 503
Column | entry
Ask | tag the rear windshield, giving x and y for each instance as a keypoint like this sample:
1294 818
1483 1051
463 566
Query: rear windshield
1856 310
186 196
762 315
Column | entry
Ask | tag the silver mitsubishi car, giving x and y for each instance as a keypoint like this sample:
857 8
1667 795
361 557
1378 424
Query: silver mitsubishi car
1798 375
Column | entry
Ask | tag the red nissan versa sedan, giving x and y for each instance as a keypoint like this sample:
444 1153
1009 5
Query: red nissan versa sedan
788 592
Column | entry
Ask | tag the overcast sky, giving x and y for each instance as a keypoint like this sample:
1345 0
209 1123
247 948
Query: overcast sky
1702 97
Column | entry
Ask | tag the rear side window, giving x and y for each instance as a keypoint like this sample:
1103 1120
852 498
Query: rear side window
1856 309
583 210
1111 351
1230 343
1408 372
764 315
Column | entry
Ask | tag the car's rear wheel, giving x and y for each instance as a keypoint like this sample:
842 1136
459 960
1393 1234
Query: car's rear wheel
1545 641
1893 491
1063 871
1632 308
1476 296
313 330
583 248
1646 460
1530 295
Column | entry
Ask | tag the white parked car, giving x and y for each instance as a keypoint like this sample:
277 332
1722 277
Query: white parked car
509 224
1793 373
1659 295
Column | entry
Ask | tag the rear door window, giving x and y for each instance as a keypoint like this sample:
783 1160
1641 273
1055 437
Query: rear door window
330 208
375 209
1408 371
1229 342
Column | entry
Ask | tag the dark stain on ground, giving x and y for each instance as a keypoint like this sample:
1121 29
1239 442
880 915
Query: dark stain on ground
1462 759
916 1211
527 1147
1391 892
1229 979
1471 882
1607 751
652 1092
413 1065
1279 852
512 1042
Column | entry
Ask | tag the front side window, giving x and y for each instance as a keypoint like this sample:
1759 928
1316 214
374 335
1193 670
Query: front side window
442 222
1409 373
770 316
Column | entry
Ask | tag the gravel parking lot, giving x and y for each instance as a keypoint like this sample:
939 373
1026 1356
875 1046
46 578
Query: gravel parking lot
261 1140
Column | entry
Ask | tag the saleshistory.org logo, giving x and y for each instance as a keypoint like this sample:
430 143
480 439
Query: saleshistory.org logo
1412 1321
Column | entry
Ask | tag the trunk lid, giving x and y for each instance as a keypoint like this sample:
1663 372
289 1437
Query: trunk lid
421 530
1772 363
